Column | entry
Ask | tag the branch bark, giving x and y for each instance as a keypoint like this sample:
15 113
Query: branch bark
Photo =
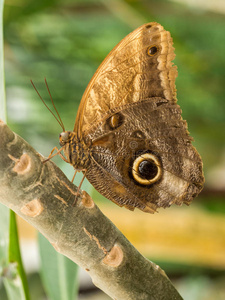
44 197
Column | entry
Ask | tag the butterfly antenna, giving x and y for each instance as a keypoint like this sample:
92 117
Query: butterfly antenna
54 105
60 123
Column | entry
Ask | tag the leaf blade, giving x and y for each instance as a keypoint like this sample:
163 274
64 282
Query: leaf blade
14 256
59 274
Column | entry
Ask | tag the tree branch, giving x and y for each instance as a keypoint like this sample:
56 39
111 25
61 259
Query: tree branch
44 197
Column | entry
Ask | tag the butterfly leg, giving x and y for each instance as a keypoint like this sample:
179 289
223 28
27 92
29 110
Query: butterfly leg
58 152
75 173
79 186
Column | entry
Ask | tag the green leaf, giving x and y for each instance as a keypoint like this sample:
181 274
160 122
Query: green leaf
2 72
13 284
59 274
11 267
4 236
13 274
4 211
14 277
15 257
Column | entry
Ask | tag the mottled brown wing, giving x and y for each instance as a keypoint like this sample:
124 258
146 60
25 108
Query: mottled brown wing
151 128
139 67
141 152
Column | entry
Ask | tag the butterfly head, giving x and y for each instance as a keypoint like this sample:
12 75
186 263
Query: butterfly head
64 138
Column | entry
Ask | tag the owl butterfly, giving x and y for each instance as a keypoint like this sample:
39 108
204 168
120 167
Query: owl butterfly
129 138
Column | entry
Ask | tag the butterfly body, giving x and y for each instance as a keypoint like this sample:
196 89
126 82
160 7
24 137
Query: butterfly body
77 152
129 137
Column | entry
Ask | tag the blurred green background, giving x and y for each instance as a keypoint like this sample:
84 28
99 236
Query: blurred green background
65 41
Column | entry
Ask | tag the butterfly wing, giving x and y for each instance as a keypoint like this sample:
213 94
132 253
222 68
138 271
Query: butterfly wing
148 161
139 67
141 153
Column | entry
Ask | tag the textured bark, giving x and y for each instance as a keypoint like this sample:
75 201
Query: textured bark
44 197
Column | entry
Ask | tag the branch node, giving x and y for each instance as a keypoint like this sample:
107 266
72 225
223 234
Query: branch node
33 208
114 258
22 165
87 200
56 247
157 268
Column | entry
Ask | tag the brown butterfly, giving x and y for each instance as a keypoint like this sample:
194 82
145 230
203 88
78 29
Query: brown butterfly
129 138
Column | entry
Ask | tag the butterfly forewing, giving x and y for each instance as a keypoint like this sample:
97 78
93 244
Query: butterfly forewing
130 73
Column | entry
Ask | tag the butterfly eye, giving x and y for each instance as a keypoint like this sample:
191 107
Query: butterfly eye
146 169
63 137
152 50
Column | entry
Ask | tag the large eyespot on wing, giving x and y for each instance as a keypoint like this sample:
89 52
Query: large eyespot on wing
139 67
146 169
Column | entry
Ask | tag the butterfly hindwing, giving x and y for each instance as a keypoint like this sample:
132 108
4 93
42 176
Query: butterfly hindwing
157 138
